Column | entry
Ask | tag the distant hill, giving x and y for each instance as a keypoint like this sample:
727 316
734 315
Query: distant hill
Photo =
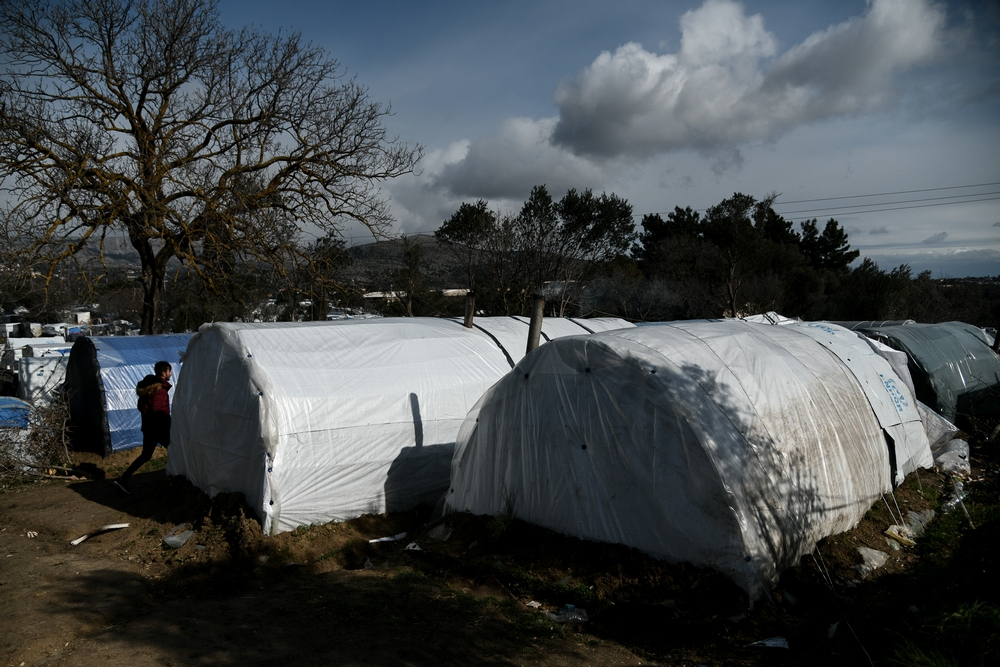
118 252
375 263
372 267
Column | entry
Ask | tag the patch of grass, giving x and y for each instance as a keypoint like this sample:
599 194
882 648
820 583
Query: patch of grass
411 577
525 584
909 654
975 627
963 634
928 492
155 464
942 534
965 619
580 592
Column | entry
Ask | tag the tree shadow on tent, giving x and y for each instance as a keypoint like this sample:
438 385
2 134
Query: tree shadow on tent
779 495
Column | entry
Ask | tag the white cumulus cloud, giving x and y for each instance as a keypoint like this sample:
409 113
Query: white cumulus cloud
726 85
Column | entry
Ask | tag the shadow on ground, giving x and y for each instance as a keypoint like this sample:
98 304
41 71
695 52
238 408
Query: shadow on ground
307 597
342 618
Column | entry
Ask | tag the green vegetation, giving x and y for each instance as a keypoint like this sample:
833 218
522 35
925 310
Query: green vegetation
581 252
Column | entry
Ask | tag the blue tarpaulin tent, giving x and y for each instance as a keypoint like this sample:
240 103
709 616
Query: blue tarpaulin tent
101 378
13 412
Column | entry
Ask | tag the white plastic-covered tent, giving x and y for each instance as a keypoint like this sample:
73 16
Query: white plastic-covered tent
47 350
14 348
39 379
889 390
730 445
100 381
321 421
939 430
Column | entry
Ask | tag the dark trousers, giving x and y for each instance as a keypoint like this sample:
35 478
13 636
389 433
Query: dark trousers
150 438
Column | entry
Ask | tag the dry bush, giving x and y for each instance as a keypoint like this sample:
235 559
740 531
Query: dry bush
41 449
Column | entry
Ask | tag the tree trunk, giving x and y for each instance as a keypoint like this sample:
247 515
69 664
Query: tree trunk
320 309
733 284
152 290
152 283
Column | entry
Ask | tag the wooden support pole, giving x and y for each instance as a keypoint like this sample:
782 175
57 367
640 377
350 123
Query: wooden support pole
535 328
470 308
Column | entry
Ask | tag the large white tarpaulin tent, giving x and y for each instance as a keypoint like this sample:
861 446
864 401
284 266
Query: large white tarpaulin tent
731 445
321 421
100 381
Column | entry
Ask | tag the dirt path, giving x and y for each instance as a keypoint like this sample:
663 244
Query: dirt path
326 595
115 600
55 594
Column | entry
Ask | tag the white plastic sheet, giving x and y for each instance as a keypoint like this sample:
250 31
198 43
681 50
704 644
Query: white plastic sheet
731 445
321 421
40 378
47 350
889 391
13 349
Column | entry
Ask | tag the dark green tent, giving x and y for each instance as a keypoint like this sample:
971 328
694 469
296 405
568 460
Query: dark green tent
954 370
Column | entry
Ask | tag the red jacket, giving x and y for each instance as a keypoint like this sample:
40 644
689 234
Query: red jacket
153 397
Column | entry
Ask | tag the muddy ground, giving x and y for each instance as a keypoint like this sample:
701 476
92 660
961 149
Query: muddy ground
325 595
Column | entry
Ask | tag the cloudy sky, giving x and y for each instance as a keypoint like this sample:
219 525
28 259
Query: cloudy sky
884 114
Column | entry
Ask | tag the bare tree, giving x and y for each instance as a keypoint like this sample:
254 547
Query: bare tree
38 448
204 144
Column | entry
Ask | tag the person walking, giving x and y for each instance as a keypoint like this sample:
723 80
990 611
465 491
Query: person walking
154 407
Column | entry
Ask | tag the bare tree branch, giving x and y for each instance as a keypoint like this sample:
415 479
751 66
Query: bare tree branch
149 117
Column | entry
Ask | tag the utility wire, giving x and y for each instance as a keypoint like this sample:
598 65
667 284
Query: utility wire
892 203
901 208
874 194
886 194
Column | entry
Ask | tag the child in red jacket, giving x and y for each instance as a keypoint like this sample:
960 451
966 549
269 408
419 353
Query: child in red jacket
154 406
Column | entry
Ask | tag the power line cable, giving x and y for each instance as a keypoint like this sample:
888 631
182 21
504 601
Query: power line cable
875 194
901 208
892 203
885 194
